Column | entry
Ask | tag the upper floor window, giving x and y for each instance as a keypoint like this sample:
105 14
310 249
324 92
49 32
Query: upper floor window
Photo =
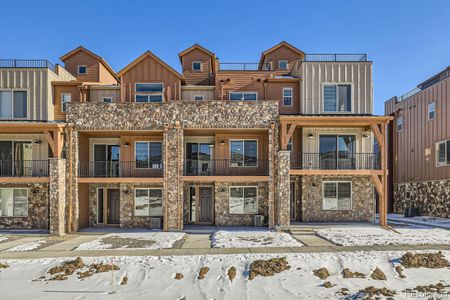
399 123
82 70
431 111
244 153
243 96
13 104
107 100
148 155
443 153
199 97
283 64
65 98
149 92
287 96
337 98
197 66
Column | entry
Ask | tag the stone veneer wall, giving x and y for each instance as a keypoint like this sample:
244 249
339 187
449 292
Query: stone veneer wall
362 200
72 202
57 195
38 215
431 197
283 189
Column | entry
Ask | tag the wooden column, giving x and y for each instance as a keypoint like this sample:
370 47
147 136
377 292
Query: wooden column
381 184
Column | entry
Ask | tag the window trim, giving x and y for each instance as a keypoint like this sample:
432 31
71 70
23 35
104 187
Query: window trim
200 96
434 111
78 69
148 94
197 62
148 189
17 188
279 64
148 142
446 159
12 90
243 186
229 95
400 118
337 192
62 101
103 99
291 96
352 99
243 140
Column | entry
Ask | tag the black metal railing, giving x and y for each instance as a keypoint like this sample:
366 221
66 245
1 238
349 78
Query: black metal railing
336 161
23 168
114 169
245 67
335 57
226 167
27 63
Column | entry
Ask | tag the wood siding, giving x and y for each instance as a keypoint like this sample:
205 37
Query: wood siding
96 94
105 76
58 90
245 81
275 92
204 77
282 53
190 93
82 58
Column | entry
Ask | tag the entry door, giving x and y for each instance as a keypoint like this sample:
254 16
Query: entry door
206 205
198 159
113 208
106 160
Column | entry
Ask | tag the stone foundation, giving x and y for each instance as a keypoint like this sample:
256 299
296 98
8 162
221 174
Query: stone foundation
431 197
362 200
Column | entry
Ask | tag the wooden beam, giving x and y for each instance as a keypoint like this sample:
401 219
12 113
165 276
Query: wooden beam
290 133
320 172
58 141
283 136
50 141
377 183
120 180
24 179
378 135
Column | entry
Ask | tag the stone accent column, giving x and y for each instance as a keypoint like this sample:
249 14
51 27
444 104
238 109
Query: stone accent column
57 195
272 175
72 203
283 189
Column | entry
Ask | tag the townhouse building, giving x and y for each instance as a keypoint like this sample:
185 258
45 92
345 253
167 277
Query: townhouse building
419 148
288 138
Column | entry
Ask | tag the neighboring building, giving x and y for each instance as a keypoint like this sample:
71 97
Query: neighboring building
419 147
289 138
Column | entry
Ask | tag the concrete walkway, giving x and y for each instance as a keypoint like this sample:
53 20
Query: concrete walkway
20 241
307 236
197 241
69 244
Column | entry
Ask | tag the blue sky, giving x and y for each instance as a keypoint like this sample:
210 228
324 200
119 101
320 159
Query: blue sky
408 41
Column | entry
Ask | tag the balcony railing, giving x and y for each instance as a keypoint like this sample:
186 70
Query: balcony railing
115 169
225 167
336 57
245 67
27 63
23 168
336 161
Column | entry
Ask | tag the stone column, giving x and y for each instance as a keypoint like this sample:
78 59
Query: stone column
57 195
283 189
72 203
272 176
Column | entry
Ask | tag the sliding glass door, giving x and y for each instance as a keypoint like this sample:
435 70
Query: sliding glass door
337 151
106 160
198 159
16 158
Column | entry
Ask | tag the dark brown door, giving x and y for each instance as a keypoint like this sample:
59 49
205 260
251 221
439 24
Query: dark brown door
113 206
206 205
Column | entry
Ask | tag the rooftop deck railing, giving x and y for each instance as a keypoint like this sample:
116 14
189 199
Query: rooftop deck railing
27 64
117 169
23 168
336 57
245 67
225 167
336 161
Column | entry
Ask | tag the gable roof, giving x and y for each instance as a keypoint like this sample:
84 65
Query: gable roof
196 46
281 44
144 55
101 59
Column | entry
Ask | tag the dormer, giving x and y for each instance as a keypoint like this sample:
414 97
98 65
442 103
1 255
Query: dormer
198 65
87 66
281 57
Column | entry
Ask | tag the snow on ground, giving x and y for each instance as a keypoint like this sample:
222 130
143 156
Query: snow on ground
153 277
368 236
160 239
27 246
422 220
3 238
252 238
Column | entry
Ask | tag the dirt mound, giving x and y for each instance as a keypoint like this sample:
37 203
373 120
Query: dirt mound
178 276
328 284
438 288
60 276
3 266
203 272
85 274
377 274
322 273
375 293
343 292
231 273
124 280
67 267
268 267
117 242
101 268
346 273
399 270
426 260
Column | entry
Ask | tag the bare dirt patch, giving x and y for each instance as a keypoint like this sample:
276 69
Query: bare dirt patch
328 285
377 274
438 288
264 241
67 268
425 260
322 273
343 292
346 273
117 242
203 272
231 273
399 270
375 293
268 267
178 276
3 266
124 280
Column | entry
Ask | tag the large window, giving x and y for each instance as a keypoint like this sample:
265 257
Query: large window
148 155
431 111
244 96
244 153
337 195
13 104
287 96
243 200
65 98
337 151
13 202
337 98
149 92
443 153
148 202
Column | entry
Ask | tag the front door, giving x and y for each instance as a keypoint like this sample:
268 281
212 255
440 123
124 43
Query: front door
206 205
113 206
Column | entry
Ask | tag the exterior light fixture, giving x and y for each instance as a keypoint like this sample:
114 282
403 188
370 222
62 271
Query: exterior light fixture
222 142
126 145
365 135
311 136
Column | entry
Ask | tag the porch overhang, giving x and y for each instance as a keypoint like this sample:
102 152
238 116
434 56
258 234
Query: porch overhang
335 172
225 178
24 179
121 180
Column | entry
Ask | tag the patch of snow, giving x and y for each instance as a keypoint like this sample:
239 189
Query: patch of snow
252 239
161 239
422 220
27 246
369 236
3 238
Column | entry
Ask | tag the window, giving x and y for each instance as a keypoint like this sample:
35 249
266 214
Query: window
65 98
197 66
399 123
107 100
337 98
13 105
431 110
337 195
149 92
199 97
336 152
82 70
148 202
244 96
243 200
283 64
148 155
443 153
244 153
289 145
13 202
287 96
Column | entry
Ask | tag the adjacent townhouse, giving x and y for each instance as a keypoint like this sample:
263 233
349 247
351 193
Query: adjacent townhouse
419 148
289 138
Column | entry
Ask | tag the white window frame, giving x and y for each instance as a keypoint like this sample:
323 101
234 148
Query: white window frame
148 94
337 193
12 91
149 211
352 102
78 69
197 62
104 98
398 123
431 105
243 142
291 96
243 187
442 164
199 96
284 61
243 93
62 100
148 142
27 205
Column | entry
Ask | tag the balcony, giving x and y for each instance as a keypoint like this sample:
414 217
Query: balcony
245 67
120 169
336 161
336 57
27 64
224 167
23 168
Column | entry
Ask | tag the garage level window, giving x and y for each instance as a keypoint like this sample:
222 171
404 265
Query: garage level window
337 98
244 96
197 66
149 92
13 202
82 70
148 202
107 100
283 64
399 123
243 200
431 111
244 153
13 104
199 97
337 195
65 98
148 155
443 153
287 96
